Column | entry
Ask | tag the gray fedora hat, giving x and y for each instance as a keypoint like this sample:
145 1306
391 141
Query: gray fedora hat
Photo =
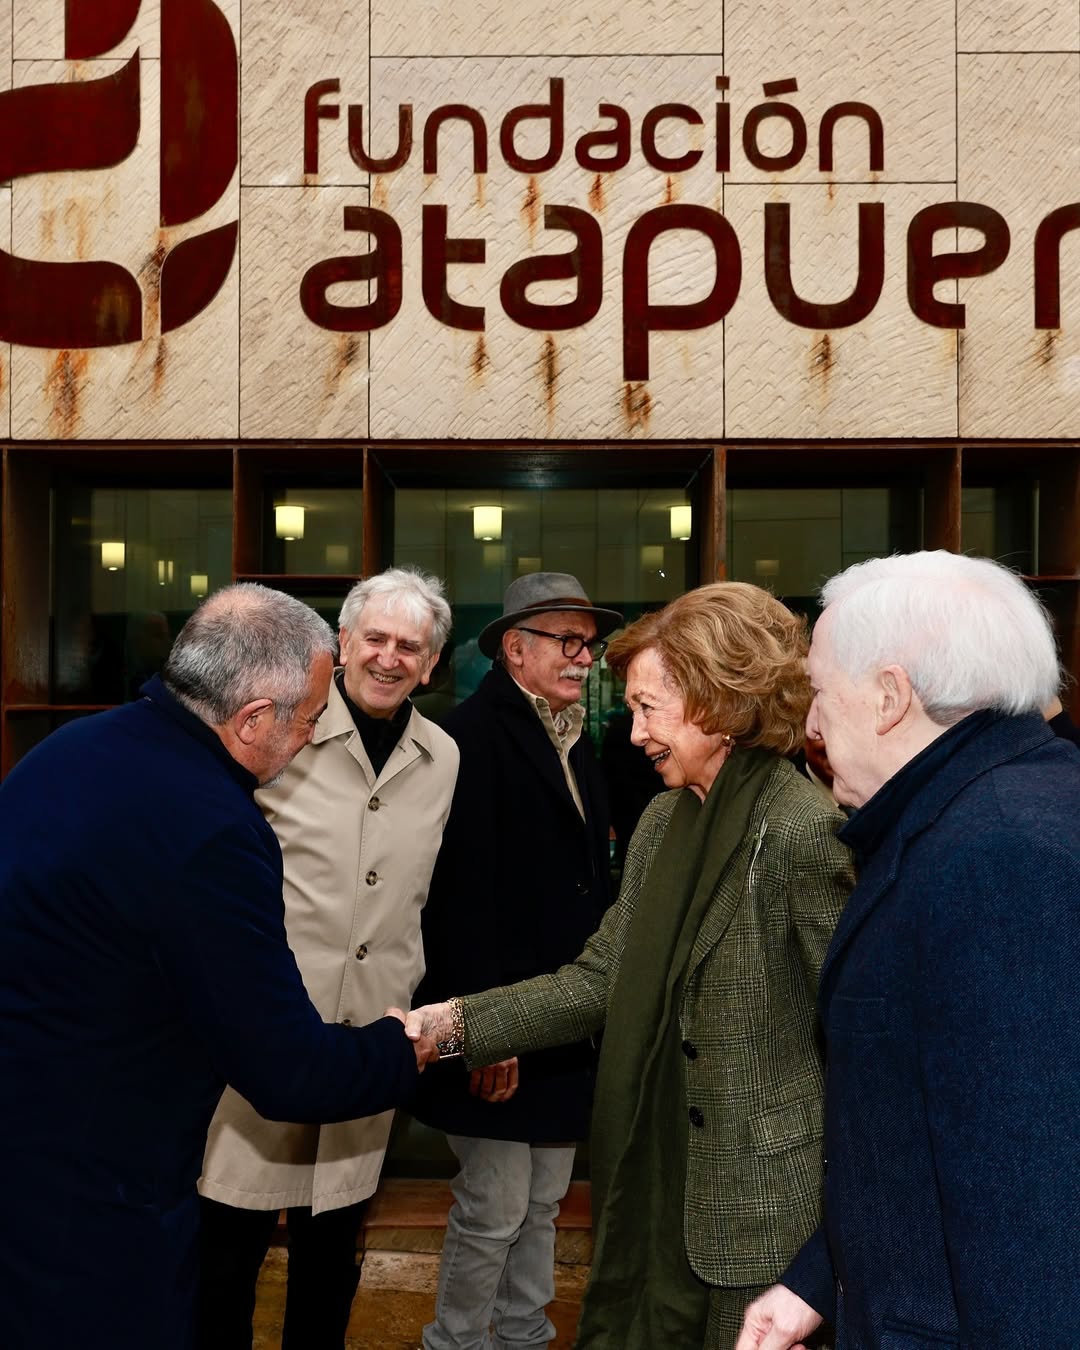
541 593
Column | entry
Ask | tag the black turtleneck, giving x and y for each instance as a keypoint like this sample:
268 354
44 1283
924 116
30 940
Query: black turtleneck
379 734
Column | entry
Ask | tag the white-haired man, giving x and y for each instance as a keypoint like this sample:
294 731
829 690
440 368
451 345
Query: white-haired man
950 995
359 816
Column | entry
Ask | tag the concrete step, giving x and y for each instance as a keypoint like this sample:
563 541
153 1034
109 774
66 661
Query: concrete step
409 1215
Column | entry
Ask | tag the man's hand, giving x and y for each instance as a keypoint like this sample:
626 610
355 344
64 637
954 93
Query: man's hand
427 1052
496 1082
433 1020
778 1320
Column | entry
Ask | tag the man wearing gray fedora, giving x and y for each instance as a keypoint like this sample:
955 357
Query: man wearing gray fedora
520 884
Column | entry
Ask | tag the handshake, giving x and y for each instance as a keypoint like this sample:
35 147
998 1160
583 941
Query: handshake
425 1027
432 1025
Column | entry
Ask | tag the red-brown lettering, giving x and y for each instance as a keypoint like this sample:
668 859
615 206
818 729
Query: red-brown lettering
382 265
925 268
554 112
618 138
868 282
652 119
584 262
437 253
640 318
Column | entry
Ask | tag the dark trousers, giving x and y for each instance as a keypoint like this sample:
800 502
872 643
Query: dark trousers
323 1275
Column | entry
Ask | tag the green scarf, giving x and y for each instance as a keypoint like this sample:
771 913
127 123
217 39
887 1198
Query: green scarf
642 1293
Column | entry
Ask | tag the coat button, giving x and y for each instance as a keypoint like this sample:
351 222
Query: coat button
689 1049
372 878
582 888
697 1117
373 804
361 951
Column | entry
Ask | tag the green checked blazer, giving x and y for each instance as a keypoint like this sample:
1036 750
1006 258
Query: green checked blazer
751 1057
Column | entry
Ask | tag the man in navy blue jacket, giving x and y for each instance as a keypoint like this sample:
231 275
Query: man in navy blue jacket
950 995
144 965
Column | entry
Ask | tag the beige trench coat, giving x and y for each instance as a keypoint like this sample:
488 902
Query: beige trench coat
358 853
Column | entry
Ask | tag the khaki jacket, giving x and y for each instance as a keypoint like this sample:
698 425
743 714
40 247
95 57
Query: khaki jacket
358 854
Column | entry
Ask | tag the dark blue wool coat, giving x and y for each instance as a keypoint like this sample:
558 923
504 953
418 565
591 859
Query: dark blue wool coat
520 885
951 1003
143 965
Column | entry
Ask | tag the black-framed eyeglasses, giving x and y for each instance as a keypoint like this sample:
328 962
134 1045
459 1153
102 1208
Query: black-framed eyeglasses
572 643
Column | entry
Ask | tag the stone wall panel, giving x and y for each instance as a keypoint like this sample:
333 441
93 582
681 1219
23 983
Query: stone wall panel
297 379
1017 26
429 379
289 46
900 59
890 375
531 28
1016 379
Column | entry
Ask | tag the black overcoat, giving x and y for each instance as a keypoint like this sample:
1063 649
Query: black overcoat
520 884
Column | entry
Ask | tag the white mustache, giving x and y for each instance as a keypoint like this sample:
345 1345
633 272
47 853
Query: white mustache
574 673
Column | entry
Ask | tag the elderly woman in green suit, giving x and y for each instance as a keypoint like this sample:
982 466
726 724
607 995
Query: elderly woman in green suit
706 1133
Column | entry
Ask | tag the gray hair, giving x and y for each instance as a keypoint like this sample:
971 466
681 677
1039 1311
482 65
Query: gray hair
418 594
967 630
244 643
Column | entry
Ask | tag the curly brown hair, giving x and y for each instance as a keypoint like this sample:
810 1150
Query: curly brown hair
736 656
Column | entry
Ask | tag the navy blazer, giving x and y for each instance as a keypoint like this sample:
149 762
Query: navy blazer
520 885
951 1004
143 965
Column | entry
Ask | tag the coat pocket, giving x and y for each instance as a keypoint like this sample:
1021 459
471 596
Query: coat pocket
786 1127
900 1336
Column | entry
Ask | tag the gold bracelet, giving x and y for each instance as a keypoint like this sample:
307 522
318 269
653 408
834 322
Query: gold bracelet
454 1045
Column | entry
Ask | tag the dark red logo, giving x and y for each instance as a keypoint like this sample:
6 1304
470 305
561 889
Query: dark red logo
94 124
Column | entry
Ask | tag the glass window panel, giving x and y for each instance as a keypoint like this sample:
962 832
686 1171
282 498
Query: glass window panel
315 531
998 521
27 729
129 566
618 542
792 540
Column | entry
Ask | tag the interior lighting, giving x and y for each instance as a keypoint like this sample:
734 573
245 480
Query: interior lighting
289 522
681 520
487 523
112 555
200 584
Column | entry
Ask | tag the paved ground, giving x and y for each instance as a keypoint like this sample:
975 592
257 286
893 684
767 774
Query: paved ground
396 1298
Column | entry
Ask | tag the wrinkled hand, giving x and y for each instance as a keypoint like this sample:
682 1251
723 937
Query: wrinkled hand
495 1082
433 1020
425 1048
778 1320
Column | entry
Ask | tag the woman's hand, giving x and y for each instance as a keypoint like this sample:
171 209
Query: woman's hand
496 1082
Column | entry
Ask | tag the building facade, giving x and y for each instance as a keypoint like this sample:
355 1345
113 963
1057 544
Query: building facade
649 292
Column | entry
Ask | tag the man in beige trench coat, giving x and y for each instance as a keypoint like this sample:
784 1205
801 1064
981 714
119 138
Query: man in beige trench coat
359 816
